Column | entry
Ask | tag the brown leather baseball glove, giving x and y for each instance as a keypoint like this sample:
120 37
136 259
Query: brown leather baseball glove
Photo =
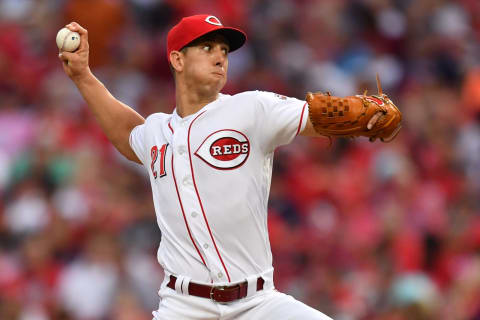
370 116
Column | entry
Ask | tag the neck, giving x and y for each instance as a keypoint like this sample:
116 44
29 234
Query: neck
190 100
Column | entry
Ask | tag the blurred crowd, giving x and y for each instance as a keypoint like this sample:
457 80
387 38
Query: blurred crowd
358 230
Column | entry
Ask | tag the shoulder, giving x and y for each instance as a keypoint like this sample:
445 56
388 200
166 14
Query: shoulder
254 94
268 100
255 101
257 96
157 118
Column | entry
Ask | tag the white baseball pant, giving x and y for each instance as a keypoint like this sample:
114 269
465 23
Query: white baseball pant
263 305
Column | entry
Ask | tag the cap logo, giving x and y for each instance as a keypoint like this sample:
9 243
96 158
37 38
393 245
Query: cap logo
213 20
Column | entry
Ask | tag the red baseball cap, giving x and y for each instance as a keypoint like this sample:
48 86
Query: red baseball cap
193 27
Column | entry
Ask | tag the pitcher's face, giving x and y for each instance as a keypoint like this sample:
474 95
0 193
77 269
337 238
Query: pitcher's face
206 62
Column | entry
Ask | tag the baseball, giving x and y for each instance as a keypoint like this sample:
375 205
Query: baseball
67 40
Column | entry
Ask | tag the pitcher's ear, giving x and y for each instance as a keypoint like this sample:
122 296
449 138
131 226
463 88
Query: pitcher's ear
176 60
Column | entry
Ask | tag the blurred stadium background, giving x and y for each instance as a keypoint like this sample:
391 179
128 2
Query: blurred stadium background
358 230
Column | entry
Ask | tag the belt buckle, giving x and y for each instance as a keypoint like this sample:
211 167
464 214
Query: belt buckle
218 288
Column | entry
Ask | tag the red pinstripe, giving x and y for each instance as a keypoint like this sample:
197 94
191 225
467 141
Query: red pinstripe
200 201
301 119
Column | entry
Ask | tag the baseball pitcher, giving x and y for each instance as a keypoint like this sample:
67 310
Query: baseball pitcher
210 167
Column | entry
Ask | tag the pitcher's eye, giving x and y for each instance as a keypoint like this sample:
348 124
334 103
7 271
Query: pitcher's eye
207 47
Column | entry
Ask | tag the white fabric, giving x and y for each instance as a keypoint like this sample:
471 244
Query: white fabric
265 305
185 283
211 198
234 245
252 285
178 284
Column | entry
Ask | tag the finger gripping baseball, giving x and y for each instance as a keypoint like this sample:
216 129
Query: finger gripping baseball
349 116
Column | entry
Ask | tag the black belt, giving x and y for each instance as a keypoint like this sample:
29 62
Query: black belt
218 293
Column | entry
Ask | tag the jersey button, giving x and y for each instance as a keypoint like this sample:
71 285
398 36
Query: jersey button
205 246
194 214
181 150
220 274
187 180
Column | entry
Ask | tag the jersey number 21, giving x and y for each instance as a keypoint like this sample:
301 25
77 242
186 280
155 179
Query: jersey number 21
154 154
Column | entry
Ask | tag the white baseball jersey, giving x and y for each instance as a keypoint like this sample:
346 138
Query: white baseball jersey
210 174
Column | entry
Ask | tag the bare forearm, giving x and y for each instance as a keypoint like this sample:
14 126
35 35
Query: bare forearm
114 117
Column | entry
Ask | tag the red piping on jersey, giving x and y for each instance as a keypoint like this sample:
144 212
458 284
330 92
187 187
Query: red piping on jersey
183 212
170 126
200 201
301 118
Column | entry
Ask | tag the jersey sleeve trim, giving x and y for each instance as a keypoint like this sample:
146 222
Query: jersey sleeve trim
300 125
